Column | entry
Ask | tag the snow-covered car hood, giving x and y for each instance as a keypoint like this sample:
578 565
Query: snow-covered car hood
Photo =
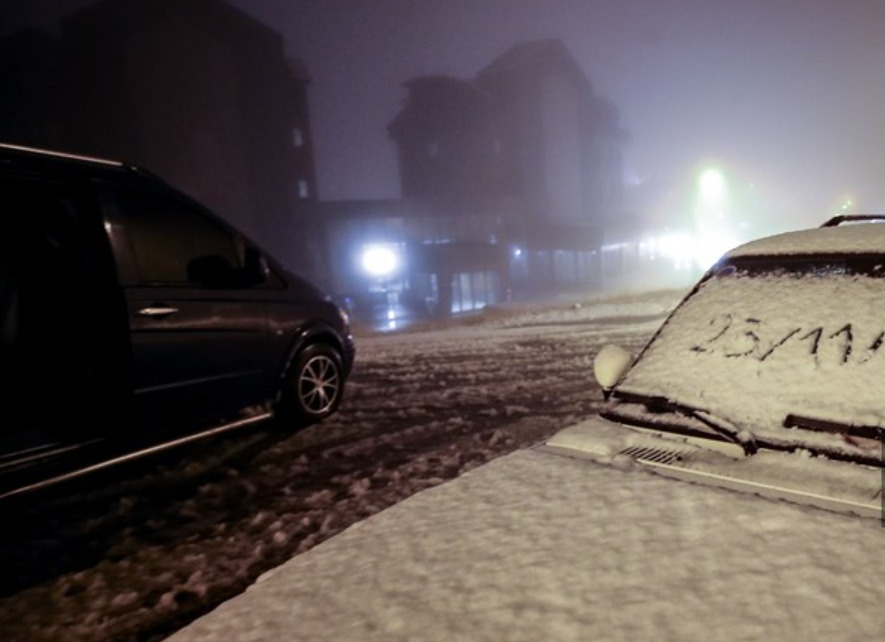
755 348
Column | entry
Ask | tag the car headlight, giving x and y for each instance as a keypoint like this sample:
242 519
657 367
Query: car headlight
345 317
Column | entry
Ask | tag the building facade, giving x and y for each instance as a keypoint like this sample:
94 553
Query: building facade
521 165
198 92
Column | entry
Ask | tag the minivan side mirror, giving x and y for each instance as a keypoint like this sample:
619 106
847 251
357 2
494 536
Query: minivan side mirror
610 364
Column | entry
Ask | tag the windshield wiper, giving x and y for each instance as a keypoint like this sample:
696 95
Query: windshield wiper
849 431
723 427
835 427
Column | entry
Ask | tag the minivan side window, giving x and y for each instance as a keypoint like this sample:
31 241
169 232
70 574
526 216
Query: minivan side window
175 244
51 270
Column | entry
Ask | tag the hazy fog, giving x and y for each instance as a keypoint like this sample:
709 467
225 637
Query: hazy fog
785 95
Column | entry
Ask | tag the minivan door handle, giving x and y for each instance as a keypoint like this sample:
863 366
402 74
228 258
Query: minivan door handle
157 311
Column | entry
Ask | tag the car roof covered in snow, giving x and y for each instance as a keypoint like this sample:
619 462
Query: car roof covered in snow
853 238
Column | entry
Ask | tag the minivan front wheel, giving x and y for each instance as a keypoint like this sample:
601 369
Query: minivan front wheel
313 385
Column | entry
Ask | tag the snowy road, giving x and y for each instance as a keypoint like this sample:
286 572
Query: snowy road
141 553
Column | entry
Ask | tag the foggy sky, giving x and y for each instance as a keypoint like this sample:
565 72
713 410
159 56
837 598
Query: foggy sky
786 94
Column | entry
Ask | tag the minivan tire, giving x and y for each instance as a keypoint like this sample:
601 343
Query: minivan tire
313 385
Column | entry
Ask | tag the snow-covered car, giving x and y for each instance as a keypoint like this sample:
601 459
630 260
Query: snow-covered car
769 372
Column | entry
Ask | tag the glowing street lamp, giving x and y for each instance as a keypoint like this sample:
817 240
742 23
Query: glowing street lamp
711 229
380 260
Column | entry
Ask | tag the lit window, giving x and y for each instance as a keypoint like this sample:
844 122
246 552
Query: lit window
297 137
303 189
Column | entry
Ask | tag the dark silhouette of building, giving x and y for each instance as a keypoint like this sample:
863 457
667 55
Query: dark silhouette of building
559 144
198 91
446 140
30 77
524 158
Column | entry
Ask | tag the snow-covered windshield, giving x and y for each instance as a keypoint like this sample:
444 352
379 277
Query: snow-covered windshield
764 338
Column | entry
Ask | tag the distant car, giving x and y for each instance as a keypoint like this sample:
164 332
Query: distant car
133 318
777 351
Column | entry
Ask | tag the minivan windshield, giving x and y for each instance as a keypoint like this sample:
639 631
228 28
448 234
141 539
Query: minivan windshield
761 339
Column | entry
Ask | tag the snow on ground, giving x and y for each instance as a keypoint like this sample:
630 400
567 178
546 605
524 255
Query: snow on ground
139 554
534 546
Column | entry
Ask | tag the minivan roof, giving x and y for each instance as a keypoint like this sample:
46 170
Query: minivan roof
43 160
60 155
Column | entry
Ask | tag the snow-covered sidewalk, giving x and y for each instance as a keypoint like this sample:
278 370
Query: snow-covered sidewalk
535 546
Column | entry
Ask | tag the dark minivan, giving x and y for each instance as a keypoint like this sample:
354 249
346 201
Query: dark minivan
132 319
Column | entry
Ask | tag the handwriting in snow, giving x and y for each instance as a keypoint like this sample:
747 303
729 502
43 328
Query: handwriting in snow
746 337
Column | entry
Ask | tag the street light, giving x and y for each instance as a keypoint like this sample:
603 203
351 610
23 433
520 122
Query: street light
712 229
380 260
